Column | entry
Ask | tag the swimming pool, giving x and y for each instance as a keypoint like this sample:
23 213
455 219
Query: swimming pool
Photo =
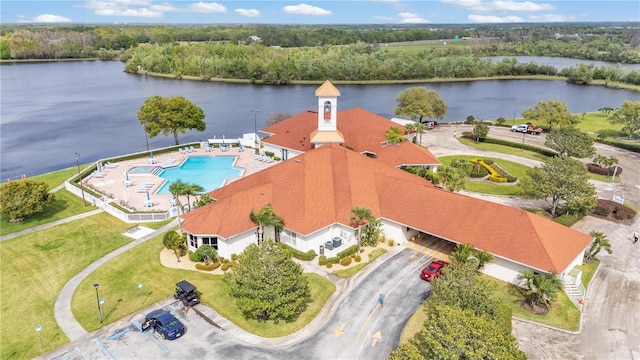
210 172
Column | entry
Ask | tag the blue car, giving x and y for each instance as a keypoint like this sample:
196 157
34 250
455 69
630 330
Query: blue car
164 323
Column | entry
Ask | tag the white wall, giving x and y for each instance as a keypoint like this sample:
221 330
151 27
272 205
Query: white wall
395 231
504 270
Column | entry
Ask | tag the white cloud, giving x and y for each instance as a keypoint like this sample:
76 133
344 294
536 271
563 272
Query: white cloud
164 8
123 8
252 13
202 7
411 18
384 18
500 5
45 18
551 18
494 19
520 6
305 9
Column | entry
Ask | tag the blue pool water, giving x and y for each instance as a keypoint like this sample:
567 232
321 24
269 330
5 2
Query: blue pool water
210 172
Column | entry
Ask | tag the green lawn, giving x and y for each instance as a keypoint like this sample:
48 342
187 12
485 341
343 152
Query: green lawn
563 313
597 123
485 187
66 204
35 267
118 281
503 149
57 177
588 270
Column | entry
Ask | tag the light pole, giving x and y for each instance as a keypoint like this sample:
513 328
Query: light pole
84 202
96 286
38 330
255 127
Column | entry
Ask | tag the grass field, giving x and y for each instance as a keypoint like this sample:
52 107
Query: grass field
503 149
485 187
57 177
35 267
66 204
118 281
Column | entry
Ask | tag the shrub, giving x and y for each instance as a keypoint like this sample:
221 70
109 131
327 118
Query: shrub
348 251
269 153
329 265
322 260
609 171
305 256
193 257
277 158
500 121
390 242
345 261
567 219
470 119
225 266
611 209
357 258
234 256
210 267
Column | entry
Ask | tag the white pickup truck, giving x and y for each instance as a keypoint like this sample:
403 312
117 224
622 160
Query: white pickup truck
526 128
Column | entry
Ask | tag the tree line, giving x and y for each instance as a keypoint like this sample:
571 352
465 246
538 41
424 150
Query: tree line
594 42
354 62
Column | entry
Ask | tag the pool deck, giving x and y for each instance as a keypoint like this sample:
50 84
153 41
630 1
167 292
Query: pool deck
134 195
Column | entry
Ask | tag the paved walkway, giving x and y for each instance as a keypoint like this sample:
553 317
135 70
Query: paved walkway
50 225
62 307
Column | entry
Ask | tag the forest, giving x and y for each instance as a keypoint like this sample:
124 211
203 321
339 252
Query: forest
281 54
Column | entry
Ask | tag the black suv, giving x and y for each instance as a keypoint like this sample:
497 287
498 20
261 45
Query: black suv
186 293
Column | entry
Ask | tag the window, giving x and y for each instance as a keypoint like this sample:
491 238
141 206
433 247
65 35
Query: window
211 241
327 110
288 237
193 241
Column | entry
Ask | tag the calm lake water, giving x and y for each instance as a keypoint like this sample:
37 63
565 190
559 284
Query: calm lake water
50 111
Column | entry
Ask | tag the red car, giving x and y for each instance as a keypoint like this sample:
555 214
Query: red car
433 270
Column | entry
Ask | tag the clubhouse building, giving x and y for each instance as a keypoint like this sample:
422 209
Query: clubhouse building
334 161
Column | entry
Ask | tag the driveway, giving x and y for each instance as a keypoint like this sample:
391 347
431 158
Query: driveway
611 315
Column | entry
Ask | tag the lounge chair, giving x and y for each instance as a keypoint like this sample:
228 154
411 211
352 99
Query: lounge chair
110 165
98 174
240 148
192 149
182 151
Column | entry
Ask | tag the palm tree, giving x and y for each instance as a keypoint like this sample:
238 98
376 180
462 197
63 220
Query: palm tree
540 288
176 189
174 241
461 254
600 242
483 258
395 135
267 217
360 216
420 127
191 189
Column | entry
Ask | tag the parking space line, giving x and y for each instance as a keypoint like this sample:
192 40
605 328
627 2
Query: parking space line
148 334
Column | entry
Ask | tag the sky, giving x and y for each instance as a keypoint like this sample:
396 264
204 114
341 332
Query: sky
315 12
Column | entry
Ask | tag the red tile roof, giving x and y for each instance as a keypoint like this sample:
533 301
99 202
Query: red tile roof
320 187
362 130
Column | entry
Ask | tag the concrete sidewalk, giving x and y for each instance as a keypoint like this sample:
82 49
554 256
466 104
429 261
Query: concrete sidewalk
62 307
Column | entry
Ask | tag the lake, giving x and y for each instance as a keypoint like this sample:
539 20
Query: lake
50 111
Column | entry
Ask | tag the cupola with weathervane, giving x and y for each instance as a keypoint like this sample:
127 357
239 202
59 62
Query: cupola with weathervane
327 131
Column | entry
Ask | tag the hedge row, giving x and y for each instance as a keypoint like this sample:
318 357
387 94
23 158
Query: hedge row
212 266
348 251
609 171
545 152
622 145
304 256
